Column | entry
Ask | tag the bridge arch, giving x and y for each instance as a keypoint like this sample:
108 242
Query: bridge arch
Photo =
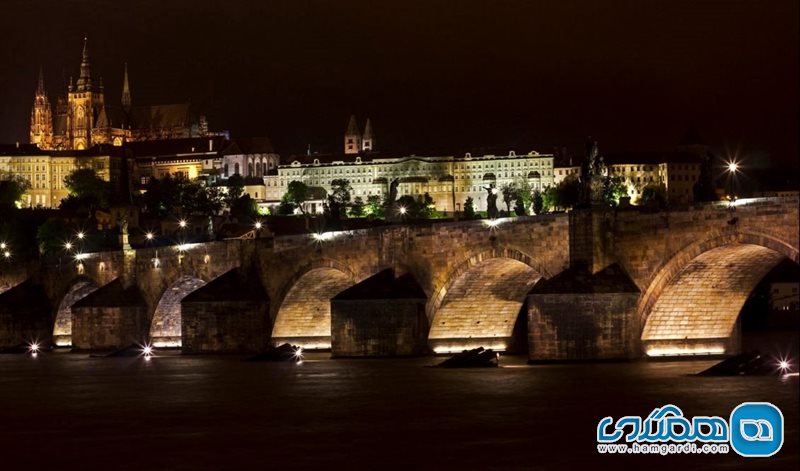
693 302
479 303
303 308
62 325
165 326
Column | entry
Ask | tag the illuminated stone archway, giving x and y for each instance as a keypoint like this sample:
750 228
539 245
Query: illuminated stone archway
62 328
304 316
697 310
481 304
165 329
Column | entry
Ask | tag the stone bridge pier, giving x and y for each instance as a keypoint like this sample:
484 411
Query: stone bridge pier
591 284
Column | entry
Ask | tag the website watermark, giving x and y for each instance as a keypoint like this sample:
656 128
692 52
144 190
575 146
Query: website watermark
754 429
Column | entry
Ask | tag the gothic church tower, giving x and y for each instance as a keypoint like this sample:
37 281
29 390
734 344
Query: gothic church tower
368 140
84 102
352 137
41 117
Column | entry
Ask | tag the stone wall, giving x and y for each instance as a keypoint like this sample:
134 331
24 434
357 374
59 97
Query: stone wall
583 326
375 328
108 328
25 315
225 326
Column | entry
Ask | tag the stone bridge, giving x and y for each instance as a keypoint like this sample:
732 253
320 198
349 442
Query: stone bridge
591 284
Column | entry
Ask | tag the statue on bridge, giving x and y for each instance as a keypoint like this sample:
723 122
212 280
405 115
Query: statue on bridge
123 233
491 201
593 174
392 192
390 205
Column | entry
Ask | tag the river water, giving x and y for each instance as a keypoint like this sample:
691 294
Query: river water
69 411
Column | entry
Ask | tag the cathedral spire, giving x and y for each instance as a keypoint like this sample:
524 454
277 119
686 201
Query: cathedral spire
368 140
126 92
40 86
85 79
352 137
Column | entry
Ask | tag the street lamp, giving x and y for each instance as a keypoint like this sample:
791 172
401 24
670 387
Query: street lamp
80 235
732 167
182 223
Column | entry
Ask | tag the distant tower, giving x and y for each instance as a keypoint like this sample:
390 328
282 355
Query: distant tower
41 117
368 142
126 92
84 102
352 138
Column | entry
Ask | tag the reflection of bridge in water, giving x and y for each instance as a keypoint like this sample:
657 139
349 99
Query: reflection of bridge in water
585 285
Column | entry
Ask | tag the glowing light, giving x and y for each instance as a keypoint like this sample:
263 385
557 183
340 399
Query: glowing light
68 245
80 235
784 365
149 236
322 236
34 348
497 347
683 351
81 256
494 191
182 223
315 346
183 247
258 225
402 210
7 254
147 351
3 246
733 166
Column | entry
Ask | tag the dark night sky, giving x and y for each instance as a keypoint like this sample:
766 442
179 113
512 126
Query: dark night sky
517 75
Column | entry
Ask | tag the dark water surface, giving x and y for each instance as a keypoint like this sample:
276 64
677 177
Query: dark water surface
68 411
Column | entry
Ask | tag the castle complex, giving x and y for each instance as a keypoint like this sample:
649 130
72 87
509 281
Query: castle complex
83 118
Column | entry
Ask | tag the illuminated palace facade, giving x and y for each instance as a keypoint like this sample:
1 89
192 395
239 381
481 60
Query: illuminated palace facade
83 118
449 179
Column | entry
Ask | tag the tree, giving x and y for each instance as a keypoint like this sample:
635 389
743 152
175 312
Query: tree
340 191
567 193
654 195
703 188
537 201
549 198
374 207
426 208
469 208
286 208
297 192
198 199
509 191
11 191
613 189
357 208
51 236
235 186
522 204
85 184
245 209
